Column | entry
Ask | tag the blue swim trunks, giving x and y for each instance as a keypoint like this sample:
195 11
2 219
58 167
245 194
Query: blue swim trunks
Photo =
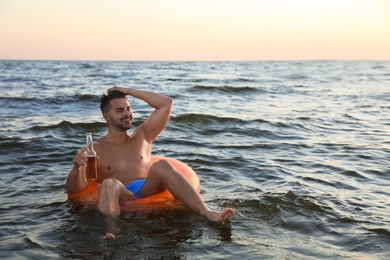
135 187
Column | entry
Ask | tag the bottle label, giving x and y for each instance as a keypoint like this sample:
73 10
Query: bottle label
91 169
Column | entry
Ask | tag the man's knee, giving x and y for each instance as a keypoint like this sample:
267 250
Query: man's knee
161 167
110 183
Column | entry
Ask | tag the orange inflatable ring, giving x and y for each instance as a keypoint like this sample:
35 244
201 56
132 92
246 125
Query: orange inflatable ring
90 194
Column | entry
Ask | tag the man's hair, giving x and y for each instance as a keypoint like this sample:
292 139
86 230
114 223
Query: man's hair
106 98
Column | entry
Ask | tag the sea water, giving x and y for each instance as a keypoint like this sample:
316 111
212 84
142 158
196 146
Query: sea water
300 150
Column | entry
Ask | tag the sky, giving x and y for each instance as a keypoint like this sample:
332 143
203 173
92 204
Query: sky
193 30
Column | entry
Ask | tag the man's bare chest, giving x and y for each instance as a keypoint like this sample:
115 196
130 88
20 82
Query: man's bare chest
124 163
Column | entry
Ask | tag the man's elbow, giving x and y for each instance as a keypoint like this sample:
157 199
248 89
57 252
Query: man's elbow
169 102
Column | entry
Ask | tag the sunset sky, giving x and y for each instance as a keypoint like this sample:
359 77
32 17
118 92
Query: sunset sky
195 29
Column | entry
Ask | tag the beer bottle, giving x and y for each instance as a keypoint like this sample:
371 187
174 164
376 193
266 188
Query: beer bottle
91 169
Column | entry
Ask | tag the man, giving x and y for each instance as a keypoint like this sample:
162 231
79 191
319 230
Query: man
124 166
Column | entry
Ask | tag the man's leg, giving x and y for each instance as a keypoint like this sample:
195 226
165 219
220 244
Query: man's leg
162 174
111 194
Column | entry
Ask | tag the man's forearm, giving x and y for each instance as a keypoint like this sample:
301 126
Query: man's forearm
75 181
153 99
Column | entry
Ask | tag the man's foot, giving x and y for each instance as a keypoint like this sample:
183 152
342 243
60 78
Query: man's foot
109 236
219 216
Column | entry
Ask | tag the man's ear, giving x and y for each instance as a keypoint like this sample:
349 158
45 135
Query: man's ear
105 115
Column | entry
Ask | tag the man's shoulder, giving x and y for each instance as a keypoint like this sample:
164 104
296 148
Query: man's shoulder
100 140
139 132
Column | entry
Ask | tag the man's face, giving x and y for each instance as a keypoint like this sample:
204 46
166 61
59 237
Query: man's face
120 114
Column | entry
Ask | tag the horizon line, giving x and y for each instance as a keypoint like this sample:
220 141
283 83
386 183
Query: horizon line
146 60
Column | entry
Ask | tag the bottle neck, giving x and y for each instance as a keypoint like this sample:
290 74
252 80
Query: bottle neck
89 144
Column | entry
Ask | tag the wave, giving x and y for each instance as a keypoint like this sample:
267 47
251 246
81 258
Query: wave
55 99
244 80
8 143
217 127
102 75
296 77
18 79
273 206
223 89
66 125
173 79
202 118
86 66
378 67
